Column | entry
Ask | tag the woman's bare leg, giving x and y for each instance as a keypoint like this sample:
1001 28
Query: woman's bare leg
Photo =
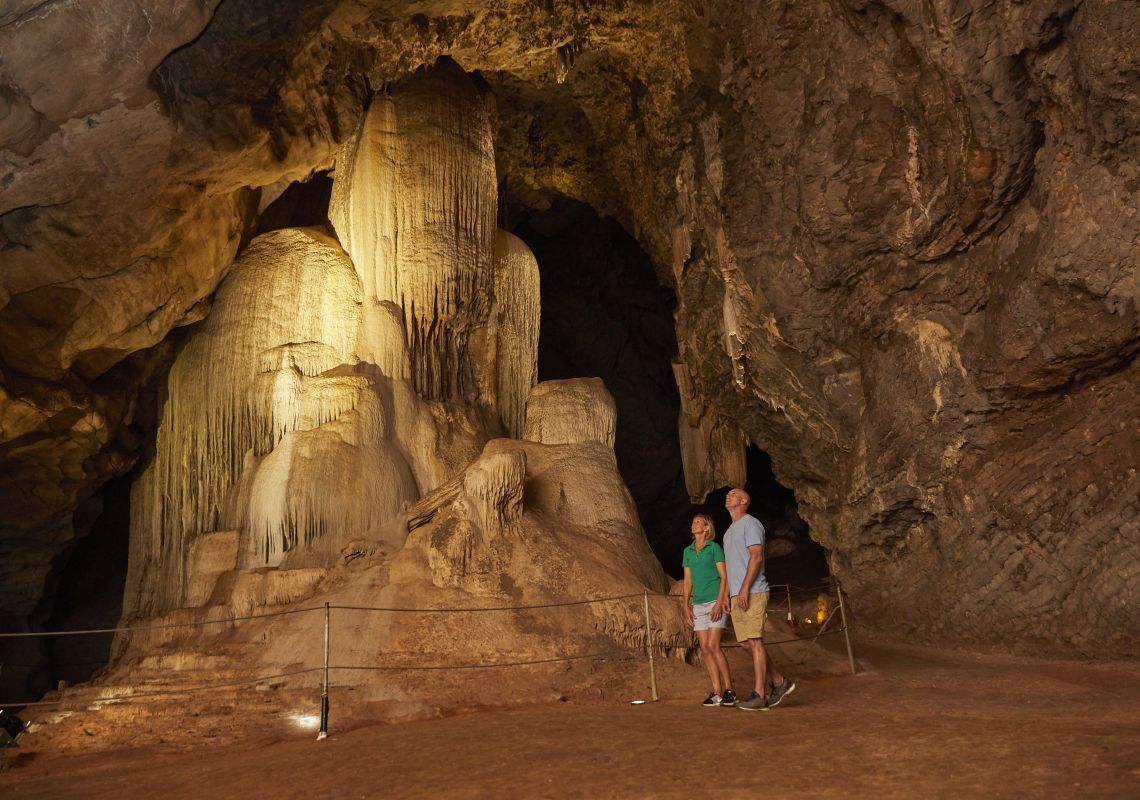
718 655
708 656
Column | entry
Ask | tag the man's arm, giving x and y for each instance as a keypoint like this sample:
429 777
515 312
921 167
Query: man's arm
755 561
721 605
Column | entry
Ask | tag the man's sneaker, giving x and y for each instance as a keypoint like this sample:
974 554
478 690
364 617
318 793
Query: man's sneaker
713 700
729 698
756 702
781 691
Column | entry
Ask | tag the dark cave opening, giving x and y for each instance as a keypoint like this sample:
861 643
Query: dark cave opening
89 592
605 314
792 556
303 204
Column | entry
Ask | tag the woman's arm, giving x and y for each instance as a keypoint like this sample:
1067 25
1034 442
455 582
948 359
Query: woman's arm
687 593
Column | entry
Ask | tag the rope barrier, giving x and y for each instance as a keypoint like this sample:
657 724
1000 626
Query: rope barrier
497 608
806 639
158 627
436 667
161 692
444 609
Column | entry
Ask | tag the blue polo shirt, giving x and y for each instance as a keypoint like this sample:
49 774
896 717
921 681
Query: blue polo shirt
740 535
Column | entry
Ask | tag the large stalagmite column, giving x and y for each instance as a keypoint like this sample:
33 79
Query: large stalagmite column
414 203
291 425
516 317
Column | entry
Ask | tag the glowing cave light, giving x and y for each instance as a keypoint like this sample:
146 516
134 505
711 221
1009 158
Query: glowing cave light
308 722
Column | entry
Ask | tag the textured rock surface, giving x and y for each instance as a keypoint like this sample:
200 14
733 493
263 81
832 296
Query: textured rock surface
570 412
902 237
414 204
500 536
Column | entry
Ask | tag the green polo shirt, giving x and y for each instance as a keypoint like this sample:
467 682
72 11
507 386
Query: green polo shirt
702 567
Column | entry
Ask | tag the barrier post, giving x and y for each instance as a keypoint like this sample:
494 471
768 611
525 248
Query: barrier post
324 732
791 620
649 647
843 617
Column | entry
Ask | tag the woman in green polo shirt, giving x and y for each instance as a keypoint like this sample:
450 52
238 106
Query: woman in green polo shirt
706 605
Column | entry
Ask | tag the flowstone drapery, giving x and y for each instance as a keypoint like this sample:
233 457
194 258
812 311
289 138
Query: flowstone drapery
272 425
330 388
414 204
516 320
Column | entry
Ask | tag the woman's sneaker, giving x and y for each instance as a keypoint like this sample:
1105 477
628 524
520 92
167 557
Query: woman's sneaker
729 698
757 702
713 700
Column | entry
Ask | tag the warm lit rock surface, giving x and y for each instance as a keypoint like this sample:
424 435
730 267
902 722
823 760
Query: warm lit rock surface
499 535
902 236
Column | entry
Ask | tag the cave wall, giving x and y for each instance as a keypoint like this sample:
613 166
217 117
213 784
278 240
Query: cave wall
935 222
902 237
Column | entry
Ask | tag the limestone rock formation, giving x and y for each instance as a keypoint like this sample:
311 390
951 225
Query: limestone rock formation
901 235
297 459
498 536
289 415
516 323
569 412
414 203
271 428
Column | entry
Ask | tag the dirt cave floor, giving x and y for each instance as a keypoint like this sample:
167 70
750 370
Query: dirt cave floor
917 722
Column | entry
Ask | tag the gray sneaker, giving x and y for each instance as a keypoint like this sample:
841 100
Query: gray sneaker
712 701
781 691
756 702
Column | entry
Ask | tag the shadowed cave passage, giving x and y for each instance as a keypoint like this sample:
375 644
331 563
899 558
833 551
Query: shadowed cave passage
302 204
90 581
792 555
605 315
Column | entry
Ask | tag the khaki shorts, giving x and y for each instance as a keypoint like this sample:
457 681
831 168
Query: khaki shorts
750 624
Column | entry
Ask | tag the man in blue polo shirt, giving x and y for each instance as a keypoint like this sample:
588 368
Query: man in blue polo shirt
748 592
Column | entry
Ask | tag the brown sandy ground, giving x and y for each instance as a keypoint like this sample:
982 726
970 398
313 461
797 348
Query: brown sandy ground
917 723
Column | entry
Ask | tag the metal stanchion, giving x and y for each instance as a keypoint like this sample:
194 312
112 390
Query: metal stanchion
843 617
325 689
649 648
791 620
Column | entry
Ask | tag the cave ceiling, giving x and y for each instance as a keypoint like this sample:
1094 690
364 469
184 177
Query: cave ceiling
902 236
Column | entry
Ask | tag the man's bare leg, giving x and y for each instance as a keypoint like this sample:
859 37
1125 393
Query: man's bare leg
766 672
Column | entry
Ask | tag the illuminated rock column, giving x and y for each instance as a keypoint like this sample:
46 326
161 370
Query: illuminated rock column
516 316
414 203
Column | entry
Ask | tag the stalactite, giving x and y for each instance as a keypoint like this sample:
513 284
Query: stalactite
712 448
414 203
517 311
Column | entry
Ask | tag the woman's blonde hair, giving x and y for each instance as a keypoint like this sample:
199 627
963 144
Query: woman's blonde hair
708 525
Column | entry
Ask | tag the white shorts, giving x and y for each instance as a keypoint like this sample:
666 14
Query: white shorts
701 621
